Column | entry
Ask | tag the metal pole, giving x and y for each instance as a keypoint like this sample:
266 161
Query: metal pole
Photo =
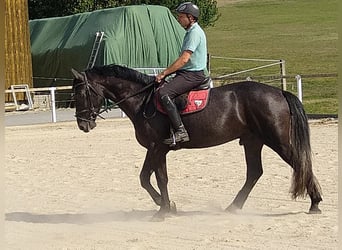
208 63
53 103
299 87
247 70
283 74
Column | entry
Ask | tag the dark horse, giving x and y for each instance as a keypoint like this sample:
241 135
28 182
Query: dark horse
255 113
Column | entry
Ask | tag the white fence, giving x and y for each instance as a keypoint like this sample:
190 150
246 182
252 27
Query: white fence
23 88
51 90
268 63
153 71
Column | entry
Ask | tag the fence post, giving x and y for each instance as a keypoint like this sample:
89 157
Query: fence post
208 63
299 87
53 103
283 74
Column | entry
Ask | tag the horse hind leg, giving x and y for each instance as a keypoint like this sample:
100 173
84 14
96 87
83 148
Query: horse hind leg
314 191
304 181
252 147
296 151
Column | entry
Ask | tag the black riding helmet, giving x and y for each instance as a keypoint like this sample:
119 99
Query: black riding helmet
189 8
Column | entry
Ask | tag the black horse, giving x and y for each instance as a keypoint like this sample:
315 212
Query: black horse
255 113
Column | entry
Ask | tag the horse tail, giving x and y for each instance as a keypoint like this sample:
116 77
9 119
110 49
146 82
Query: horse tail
303 182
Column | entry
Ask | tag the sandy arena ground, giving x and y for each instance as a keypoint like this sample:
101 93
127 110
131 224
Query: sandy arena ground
74 191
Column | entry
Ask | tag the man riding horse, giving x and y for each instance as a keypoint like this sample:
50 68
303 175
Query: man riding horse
189 68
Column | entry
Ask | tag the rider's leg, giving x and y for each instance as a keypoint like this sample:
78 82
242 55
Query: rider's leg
181 135
180 84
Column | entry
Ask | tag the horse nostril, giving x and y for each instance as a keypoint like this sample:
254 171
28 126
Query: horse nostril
84 126
85 129
92 124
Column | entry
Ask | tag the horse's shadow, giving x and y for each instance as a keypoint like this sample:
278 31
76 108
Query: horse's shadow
81 218
237 213
134 215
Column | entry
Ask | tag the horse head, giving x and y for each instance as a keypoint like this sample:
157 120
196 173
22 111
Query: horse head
88 100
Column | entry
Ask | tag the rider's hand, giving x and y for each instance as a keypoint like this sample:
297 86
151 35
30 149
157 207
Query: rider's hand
160 77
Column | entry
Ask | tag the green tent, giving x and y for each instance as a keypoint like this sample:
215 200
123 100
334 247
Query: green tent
136 36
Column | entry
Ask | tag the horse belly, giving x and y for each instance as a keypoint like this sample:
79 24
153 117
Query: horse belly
212 128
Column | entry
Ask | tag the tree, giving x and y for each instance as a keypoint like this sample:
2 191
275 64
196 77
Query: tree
208 12
49 8
52 8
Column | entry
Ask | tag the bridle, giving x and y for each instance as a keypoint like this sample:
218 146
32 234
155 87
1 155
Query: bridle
91 109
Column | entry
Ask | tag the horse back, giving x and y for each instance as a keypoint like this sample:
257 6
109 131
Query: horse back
237 109
254 96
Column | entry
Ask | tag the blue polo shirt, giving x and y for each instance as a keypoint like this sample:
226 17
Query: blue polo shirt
195 41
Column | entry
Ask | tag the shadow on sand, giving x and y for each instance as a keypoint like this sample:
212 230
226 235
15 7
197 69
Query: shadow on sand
134 215
84 218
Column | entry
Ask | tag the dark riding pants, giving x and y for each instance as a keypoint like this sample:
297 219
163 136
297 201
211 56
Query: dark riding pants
183 82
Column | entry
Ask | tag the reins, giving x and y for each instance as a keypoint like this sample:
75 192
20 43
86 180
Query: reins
135 94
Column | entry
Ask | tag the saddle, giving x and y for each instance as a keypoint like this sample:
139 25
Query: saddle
193 101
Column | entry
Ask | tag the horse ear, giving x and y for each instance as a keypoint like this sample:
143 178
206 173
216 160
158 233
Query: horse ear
76 74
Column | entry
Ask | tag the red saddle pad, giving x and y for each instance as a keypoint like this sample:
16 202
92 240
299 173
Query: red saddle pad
197 100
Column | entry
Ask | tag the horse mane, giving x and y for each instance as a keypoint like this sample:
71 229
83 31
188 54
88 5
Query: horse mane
122 72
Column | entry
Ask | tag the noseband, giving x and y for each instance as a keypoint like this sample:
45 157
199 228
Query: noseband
91 109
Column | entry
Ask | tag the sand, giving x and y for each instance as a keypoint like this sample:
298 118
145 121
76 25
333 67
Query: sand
65 189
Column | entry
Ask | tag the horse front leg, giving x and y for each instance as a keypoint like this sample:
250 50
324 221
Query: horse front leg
155 161
160 171
145 179
252 147
162 181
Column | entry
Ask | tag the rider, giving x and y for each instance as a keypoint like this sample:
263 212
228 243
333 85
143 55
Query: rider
189 68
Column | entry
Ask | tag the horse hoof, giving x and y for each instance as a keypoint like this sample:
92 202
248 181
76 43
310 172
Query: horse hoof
161 214
315 211
232 209
173 208
158 217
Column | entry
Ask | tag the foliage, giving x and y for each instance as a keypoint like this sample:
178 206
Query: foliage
209 12
52 8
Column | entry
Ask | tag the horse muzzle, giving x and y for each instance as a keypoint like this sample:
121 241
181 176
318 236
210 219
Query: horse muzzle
86 126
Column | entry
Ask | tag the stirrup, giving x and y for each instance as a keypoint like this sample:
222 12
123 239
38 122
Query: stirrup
172 140
174 137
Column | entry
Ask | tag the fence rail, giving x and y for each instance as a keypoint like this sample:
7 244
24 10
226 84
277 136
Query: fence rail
273 77
52 90
232 76
269 63
298 79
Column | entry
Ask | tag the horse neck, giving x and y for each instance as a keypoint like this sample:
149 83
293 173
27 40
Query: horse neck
119 89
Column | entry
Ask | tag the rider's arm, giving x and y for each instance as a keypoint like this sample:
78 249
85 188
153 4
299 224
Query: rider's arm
176 65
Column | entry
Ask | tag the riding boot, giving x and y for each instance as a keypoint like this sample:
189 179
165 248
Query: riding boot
180 135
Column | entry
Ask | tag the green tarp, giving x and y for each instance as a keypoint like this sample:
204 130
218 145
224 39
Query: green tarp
136 36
